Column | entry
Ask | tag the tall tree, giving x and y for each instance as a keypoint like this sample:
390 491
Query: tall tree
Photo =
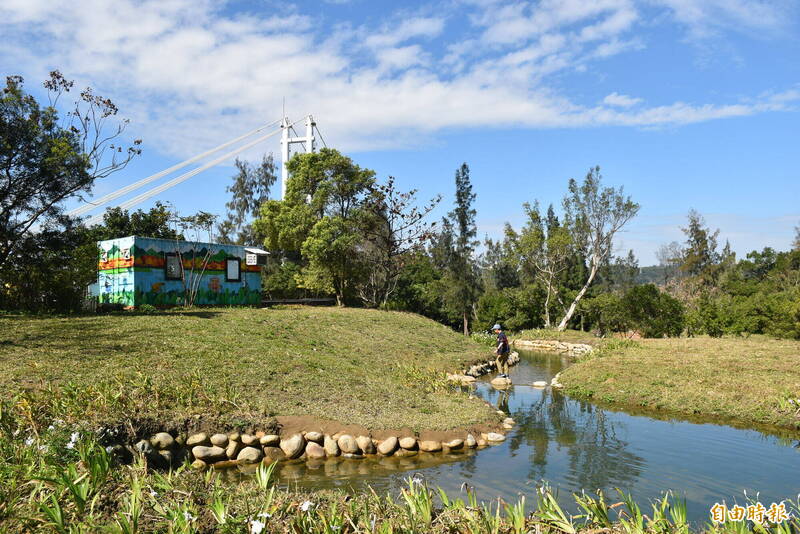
249 190
46 159
700 254
462 276
545 247
796 243
394 226
321 220
500 261
595 215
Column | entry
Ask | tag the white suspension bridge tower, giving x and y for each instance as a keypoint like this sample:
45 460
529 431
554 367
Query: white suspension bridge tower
282 126
286 141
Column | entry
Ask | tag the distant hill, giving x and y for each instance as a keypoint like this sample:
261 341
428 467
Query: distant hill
654 274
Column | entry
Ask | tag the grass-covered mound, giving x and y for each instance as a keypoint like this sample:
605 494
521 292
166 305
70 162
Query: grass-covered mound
753 380
239 366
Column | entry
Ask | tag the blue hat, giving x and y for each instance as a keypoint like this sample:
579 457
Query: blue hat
496 327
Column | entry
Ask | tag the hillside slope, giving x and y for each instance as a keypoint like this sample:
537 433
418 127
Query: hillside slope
366 367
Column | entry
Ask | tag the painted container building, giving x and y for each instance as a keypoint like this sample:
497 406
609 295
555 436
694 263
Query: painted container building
140 270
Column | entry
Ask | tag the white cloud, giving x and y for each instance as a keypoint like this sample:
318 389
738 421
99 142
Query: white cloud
407 29
516 21
191 76
400 58
622 101
705 18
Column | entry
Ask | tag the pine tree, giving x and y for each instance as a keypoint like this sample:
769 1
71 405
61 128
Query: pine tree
700 256
462 273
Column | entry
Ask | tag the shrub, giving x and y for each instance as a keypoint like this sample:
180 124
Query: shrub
607 313
653 313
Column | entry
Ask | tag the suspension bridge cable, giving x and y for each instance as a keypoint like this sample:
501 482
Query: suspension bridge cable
320 137
89 206
96 219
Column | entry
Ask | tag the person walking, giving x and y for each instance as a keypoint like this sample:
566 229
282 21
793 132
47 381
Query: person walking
502 351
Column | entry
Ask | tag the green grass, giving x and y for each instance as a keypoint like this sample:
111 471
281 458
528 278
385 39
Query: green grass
735 380
84 492
373 368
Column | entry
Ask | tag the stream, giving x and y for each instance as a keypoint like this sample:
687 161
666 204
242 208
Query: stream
575 445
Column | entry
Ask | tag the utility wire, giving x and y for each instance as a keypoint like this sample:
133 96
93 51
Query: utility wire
144 181
96 219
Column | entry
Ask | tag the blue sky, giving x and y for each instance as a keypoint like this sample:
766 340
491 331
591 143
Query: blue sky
686 103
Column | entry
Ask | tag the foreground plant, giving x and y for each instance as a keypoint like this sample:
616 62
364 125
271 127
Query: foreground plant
87 493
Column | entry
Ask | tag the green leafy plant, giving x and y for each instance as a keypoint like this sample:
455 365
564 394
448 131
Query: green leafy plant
548 511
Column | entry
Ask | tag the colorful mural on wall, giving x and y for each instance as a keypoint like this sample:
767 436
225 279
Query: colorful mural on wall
139 270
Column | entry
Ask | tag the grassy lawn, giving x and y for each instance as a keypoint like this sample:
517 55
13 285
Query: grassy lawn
744 380
364 367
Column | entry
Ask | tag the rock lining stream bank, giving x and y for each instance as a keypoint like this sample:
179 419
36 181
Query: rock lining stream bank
552 345
228 449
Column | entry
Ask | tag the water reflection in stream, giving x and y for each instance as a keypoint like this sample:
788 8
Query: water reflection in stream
576 445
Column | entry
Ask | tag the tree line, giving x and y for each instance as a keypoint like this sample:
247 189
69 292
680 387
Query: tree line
341 231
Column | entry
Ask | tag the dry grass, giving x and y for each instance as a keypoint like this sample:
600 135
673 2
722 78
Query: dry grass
567 336
377 369
746 380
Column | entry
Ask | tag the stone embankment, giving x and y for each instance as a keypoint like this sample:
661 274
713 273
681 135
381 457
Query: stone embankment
552 345
468 376
222 450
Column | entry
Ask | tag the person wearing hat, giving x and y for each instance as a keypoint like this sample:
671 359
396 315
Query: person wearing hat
502 351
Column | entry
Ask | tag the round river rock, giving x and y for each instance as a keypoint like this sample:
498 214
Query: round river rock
408 442
314 450
365 444
219 440
250 455
347 444
331 447
294 446
270 440
209 454
162 441
197 439
387 446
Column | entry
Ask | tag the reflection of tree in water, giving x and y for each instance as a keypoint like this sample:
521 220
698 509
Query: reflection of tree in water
598 458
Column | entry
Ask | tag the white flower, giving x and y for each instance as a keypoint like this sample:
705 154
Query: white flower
306 505
265 515
153 493
51 427
29 441
256 526
188 517
73 439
